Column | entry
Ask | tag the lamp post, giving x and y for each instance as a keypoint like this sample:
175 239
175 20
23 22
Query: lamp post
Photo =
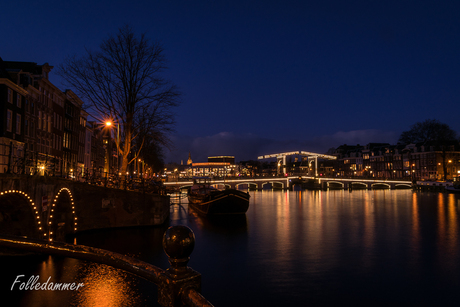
109 124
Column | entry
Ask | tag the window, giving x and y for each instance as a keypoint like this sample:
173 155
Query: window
10 96
26 127
18 100
66 140
18 123
39 119
9 120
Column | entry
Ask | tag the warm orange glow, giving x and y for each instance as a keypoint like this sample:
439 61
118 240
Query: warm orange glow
106 286
108 123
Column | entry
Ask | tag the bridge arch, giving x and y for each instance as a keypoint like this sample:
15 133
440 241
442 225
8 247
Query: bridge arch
18 212
403 186
62 219
272 183
358 185
381 185
335 185
250 185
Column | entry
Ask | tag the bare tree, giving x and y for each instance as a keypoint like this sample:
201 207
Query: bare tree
122 83
431 132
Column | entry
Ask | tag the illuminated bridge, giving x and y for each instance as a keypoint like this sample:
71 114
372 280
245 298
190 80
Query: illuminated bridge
288 182
284 181
281 159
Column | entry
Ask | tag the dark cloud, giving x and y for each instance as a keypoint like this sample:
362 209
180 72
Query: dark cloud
250 146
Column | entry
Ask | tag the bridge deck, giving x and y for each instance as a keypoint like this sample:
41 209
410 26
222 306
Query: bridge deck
288 181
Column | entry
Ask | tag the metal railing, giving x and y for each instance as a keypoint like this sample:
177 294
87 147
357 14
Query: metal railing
179 285
116 181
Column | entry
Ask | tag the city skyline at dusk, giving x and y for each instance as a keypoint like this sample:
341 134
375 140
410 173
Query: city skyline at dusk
266 76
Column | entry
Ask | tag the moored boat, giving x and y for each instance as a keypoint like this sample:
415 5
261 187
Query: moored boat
453 189
208 200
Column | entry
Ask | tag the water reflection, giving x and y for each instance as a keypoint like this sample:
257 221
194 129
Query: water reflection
415 233
218 224
447 231
315 235
106 287
102 285
320 248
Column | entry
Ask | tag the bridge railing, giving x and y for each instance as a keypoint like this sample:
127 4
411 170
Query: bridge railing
179 285
115 180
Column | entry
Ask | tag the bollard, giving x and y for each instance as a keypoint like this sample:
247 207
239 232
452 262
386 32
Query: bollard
178 244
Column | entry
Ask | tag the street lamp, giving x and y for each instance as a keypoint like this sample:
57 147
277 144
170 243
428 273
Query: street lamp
109 124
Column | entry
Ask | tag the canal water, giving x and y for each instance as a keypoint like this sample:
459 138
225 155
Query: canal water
315 248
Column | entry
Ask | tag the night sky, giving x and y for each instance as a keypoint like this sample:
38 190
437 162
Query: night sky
261 77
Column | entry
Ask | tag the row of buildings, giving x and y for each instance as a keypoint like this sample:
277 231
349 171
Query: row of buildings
421 161
46 130
424 161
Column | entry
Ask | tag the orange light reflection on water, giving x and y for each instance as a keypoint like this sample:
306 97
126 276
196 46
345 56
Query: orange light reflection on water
453 218
415 222
441 217
106 287
369 229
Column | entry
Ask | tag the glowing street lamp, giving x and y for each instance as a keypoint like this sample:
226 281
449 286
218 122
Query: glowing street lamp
109 124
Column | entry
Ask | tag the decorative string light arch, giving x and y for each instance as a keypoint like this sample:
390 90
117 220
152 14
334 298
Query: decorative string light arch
38 218
51 218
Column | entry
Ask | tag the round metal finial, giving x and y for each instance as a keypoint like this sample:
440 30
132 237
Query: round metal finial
178 242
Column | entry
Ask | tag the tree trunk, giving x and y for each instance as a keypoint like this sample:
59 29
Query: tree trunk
444 164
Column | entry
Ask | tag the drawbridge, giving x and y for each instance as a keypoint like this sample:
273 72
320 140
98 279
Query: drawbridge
281 159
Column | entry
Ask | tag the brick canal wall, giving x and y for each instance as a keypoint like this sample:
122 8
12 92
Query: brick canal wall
72 207
106 207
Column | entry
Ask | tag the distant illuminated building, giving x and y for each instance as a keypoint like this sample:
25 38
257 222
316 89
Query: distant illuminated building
189 161
218 166
229 159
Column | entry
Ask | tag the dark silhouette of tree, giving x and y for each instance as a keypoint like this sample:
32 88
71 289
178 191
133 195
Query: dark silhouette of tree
122 83
431 132
152 151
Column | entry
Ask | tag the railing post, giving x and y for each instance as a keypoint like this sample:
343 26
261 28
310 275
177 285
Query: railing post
178 244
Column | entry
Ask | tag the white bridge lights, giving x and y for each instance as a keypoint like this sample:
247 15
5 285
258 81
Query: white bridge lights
281 158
